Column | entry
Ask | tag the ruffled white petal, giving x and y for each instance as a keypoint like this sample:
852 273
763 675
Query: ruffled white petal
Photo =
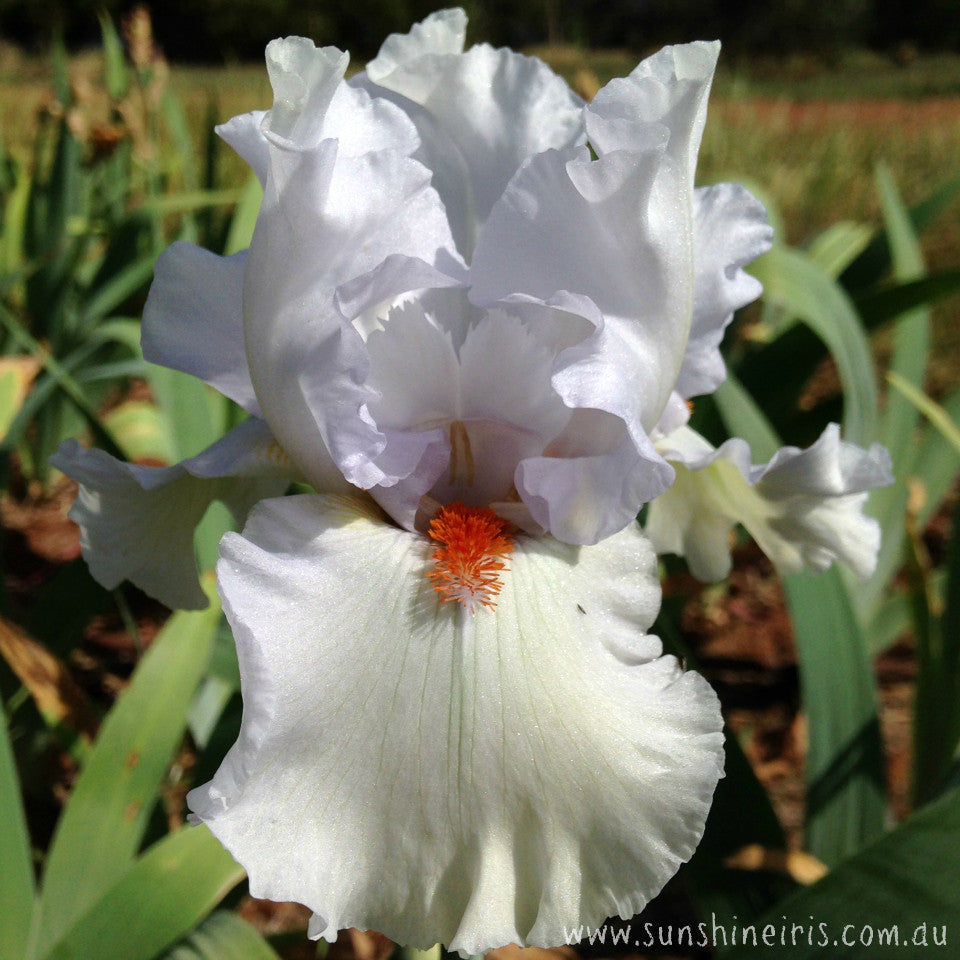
668 93
614 232
804 508
137 522
440 776
487 406
617 230
443 32
730 230
245 135
331 215
311 103
609 240
304 79
481 113
193 319
592 478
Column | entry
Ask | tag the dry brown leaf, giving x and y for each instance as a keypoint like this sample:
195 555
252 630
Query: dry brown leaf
513 952
354 944
17 374
586 83
802 867
48 680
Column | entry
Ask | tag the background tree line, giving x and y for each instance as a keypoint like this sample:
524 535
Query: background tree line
225 30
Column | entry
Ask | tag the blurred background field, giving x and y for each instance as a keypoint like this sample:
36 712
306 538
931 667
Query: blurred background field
848 128
805 131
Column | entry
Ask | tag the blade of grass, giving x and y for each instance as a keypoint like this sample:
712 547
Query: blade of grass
155 902
936 721
64 381
116 370
846 785
890 300
193 201
836 247
142 431
195 413
223 936
906 884
950 631
16 876
120 287
804 290
908 362
12 231
775 373
176 123
911 336
244 217
875 261
103 823
743 418
932 711
937 415
54 205
115 68
893 617
123 332
937 463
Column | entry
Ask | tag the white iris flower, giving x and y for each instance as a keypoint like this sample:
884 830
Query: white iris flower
482 302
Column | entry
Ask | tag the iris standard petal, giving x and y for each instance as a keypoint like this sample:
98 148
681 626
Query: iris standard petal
137 522
608 240
474 779
245 135
666 92
311 104
615 232
443 32
479 114
328 218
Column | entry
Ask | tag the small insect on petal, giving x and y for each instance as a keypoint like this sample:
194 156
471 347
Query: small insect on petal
467 565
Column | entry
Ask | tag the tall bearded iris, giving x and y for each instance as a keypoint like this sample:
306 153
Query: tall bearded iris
470 316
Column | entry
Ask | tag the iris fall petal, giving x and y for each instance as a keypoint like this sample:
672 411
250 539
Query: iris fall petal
137 522
477 779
